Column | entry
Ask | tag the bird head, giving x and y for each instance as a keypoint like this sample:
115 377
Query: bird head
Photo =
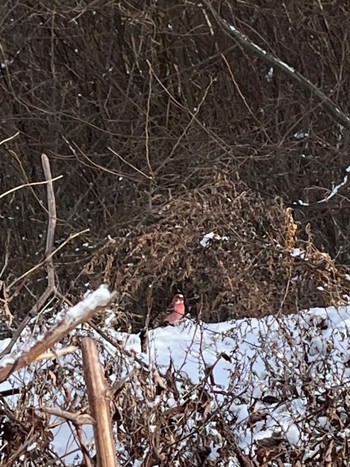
179 298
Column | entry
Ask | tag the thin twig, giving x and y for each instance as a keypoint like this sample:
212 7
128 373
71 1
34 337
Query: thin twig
48 257
129 164
12 190
187 127
6 140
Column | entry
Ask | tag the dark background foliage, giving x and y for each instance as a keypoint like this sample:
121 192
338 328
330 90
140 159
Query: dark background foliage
141 99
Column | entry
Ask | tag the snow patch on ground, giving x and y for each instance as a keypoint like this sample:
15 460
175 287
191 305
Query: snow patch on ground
268 356
263 372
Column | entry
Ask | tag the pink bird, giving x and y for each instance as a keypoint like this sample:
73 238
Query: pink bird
175 311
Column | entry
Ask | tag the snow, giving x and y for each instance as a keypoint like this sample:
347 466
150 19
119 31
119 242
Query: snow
269 75
297 253
207 238
301 135
264 353
99 297
258 366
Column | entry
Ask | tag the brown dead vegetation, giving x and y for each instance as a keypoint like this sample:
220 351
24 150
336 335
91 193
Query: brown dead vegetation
133 100
251 266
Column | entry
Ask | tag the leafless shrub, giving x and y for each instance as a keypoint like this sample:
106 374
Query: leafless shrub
130 100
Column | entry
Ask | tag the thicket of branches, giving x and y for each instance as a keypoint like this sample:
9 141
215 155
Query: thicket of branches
167 121
131 100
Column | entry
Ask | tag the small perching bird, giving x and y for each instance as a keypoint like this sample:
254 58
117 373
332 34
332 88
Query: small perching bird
175 311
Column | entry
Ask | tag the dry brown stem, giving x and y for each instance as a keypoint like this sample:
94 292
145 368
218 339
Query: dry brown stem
99 404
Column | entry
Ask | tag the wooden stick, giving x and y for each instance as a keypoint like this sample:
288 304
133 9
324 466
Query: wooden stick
51 204
99 404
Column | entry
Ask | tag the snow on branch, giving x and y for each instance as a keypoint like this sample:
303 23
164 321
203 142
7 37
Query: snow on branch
331 195
66 322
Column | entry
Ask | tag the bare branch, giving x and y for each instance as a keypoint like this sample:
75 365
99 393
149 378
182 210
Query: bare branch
76 418
247 43
52 223
12 190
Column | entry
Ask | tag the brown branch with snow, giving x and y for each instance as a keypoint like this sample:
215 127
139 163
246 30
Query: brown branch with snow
70 319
